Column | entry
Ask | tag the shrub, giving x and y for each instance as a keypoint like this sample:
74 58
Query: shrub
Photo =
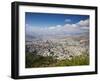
33 60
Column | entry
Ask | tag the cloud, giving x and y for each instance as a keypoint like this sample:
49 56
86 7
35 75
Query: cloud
55 27
67 20
83 23
58 26
52 27
80 27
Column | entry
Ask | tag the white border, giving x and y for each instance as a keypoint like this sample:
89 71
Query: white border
53 70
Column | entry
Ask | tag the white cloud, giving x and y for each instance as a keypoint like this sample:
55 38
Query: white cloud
51 27
67 20
84 23
54 27
58 26
80 27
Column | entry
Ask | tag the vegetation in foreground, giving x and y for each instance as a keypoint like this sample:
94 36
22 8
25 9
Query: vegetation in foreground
33 60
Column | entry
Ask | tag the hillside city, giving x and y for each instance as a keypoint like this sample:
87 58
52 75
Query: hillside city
62 48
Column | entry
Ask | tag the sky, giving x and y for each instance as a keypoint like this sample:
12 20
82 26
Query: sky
55 24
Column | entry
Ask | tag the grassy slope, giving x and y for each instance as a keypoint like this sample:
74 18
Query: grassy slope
33 60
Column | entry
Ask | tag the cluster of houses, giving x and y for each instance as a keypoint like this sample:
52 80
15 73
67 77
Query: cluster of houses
63 49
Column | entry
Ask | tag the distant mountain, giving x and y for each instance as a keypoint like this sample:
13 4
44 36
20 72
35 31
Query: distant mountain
38 36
